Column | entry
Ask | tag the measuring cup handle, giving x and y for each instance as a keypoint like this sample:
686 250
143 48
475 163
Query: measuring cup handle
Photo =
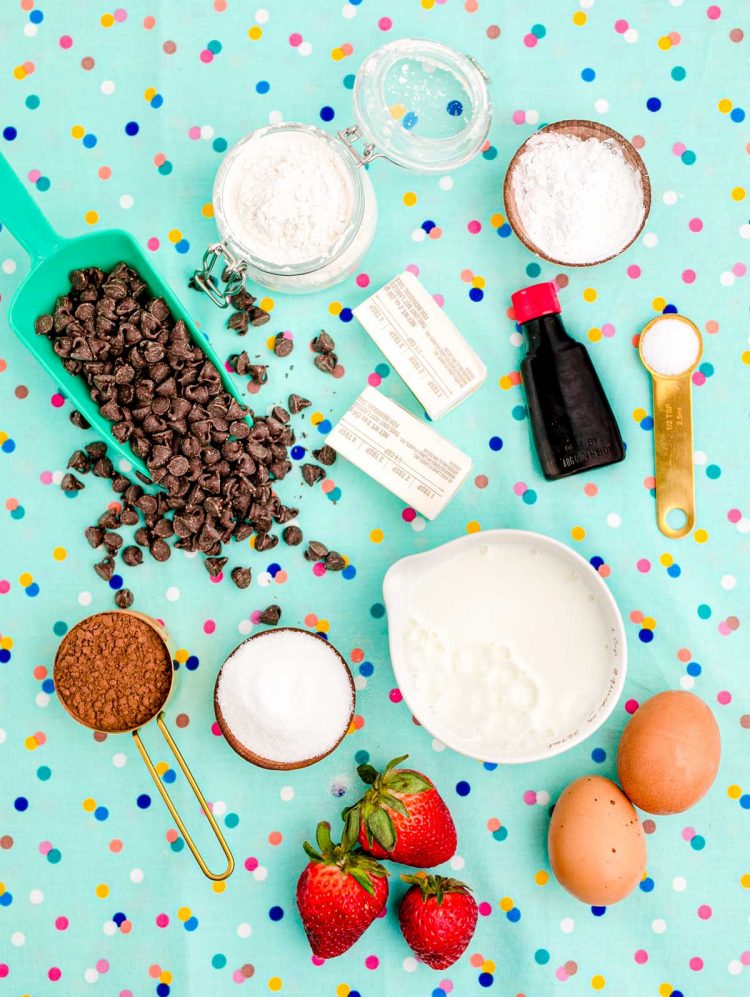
173 810
673 453
22 216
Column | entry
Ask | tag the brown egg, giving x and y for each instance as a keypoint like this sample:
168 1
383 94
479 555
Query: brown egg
669 753
597 848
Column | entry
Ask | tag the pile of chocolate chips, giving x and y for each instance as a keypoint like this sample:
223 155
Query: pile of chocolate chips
166 399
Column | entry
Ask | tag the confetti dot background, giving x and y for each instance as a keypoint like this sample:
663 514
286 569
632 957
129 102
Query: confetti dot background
119 116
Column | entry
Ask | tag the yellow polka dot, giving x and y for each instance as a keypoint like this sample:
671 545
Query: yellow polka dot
219 887
488 966
323 625
578 533
479 282
497 220
255 33
409 199
102 891
161 767
659 304
149 94
639 414
2 889
181 655
700 536
316 418
541 878
342 990
207 210
665 43
59 553
473 527
725 105
107 20
89 805
183 913
271 342
506 904
266 304
31 743
648 623
397 111
25 579
746 357
579 18
6 643
589 294
376 536
77 131
174 235
335 307
595 334
20 73
91 217
734 792
745 880
337 54
274 983
738 193
428 4
505 382
666 560
665 990
165 977
597 982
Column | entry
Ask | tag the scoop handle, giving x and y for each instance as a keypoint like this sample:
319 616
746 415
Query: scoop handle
22 216
173 810
673 453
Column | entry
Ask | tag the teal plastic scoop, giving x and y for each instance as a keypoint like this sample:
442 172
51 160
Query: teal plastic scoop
52 259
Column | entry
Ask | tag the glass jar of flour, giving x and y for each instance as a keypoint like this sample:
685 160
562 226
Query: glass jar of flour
295 207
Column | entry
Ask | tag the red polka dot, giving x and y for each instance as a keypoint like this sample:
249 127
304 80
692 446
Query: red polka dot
409 515
631 706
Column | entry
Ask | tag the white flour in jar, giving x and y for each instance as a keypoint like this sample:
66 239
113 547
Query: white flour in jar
578 200
288 198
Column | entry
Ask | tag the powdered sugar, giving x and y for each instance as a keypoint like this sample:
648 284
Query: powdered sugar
578 200
670 346
285 695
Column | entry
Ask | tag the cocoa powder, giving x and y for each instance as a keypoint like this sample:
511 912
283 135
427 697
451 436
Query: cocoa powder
113 672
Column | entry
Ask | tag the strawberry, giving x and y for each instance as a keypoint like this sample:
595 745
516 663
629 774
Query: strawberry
437 917
339 894
402 817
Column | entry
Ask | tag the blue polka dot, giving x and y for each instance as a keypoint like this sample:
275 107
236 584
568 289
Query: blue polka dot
362 757
463 788
119 917
679 73
116 582
489 766
219 145
596 562
496 443
428 225
214 46
162 989
273 569
529 497
89 141
382 370
349 572
713 471
704 611
533 269
486 979
177 845
9 133
324 427
541 956
346 314
219 961
232 820
539 31
262 86
48 686
646 635
192 663
143 801
169 776
647 884
157 100
588 75
21 804
349 78
598 911
377 610
333 496
647 423
54 855
514 915
501 833
674 571
598 755
101 813
669 310
297 453
18 513
6 899
653 103
165 169
476 294
43 773
694 669
43 183
33 102
191 924
36 16
132 128
737 114
32 590
504 231
519 412
698 842
437 992
276 913
744 801
60 628
409 120
9 446
455 108
182 246
4 656
327 113
688 157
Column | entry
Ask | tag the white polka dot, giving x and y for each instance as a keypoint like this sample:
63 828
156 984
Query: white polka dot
9 266
126 201
728 582
348 11
658 926
650 239
614 520
57 477
743 526
190 554
84 598
287 793
669 197
261 16
409 964
91 975
207 132
631 36
172 593
678 884
735 967
445 183
457 863
109 928
437 745
136 875
418 235
542 798
260 874
36 897
727 279
17 938
107 87
30 30
42 699
677 3
515 339
218 808
586 4
532 117
687 682
305 48
567 925
275 117
360 682
418 524
745 231
120 760
601 106
244 930
264 579
244 627
700 458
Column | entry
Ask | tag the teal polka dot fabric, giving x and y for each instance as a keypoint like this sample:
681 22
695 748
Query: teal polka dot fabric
120 117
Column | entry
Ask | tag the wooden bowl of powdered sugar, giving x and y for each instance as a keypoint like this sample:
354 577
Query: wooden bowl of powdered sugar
577 193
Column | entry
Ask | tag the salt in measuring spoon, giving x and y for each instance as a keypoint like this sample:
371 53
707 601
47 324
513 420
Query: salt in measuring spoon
670 349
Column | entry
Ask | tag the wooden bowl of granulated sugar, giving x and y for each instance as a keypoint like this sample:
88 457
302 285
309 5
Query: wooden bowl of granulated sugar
284 699
577 193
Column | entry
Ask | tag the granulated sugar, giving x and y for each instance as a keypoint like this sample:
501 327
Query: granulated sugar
670 346
578 200
285 695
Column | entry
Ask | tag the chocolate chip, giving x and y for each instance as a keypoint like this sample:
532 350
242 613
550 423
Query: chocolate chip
112 541
239 321
124 599
316 551
297 403
94 535
282 514
70 483
103 468
242 577
105 568
326 362
283 345
141 536
240 363
129 517
80 462
215 565
258 373
257 316
334 561
323 343
43 325
178 466
292 536
160 550
265 541
79 420
132 556
270 615
243 300
325 455
311 474
96 450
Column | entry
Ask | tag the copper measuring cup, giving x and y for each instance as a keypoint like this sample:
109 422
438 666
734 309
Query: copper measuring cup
135 731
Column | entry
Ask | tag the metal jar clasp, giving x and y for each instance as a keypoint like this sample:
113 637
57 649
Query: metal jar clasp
233 275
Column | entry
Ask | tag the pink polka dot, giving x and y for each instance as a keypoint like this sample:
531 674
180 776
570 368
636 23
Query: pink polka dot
678 148
698 378
530 40
194 132
318 570
327 486
216 730
413 268
608 330
445 984
520 487
696 964
474 227
734 515
45 847
724 698
385 24
54 974
57 400
704 912
688 276
215 579
46 477
347 48
238 976
209 627
66 41
316 960
295 39
409 515
643 565
688 833
102 966
362 280
120 15
206 55
61 923
641 957
372 962
34 175
695 225
484 909
631 706
4 586
561 973
153 244
374 379
739 269
439 300
634 271
4 970
529 797
395 696
621 26
251 863
519 117
162 920
745 958
713 13
675 37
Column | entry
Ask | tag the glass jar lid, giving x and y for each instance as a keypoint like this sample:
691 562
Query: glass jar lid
422 104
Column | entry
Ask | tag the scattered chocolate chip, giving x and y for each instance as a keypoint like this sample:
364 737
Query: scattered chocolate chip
292 536
326 362
94 535
239 322
258 373
70 483
103 468
132 556
105 568
270 615
96 450
283 345
297 403
43 325
113 542
323 343
242 300
80 462
334 561
124 599
257 316
215 565
242 577
240 363
265 541
79 420
141 537
160 550
316 551
129 517
325 455
311 474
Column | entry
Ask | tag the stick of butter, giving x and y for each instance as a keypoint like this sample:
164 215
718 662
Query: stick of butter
422 344
400 452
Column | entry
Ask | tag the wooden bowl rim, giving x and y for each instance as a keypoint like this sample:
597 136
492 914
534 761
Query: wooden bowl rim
260 760
598 130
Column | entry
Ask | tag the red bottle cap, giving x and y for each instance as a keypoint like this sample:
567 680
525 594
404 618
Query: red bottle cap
538 299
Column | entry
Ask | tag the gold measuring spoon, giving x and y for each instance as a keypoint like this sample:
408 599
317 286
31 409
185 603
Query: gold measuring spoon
670 349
